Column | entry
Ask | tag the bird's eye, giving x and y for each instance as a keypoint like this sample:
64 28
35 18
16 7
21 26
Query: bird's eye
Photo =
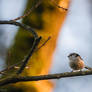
76 55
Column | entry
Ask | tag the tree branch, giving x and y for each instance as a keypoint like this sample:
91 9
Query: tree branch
66 9
16 79
16 64
35 44
26 27
43 43
29 11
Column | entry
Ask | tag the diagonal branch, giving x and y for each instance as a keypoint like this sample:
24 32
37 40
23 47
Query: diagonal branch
43 43
17 79
29 11
66 9
35 44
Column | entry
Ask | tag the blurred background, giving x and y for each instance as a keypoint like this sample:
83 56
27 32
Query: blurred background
75 37
8 11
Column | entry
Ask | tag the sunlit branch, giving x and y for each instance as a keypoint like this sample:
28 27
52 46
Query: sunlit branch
43 43
66 9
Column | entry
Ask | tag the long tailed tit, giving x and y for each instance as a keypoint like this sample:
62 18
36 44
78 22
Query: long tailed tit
76 62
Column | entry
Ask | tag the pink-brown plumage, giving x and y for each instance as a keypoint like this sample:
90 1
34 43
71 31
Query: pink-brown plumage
76 62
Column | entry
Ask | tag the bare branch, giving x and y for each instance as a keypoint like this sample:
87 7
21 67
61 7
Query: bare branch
43 43
26 27
29 11
35 44
14 65
66 9
16 79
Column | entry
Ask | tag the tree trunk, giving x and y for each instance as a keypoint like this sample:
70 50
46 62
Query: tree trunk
47 19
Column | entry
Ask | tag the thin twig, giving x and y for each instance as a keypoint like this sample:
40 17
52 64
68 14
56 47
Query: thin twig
16 79
43 43
59 6
10 67
29 11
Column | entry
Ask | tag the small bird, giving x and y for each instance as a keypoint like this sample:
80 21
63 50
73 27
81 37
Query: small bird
76 62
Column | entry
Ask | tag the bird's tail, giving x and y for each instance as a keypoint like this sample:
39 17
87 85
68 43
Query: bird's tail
87 67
